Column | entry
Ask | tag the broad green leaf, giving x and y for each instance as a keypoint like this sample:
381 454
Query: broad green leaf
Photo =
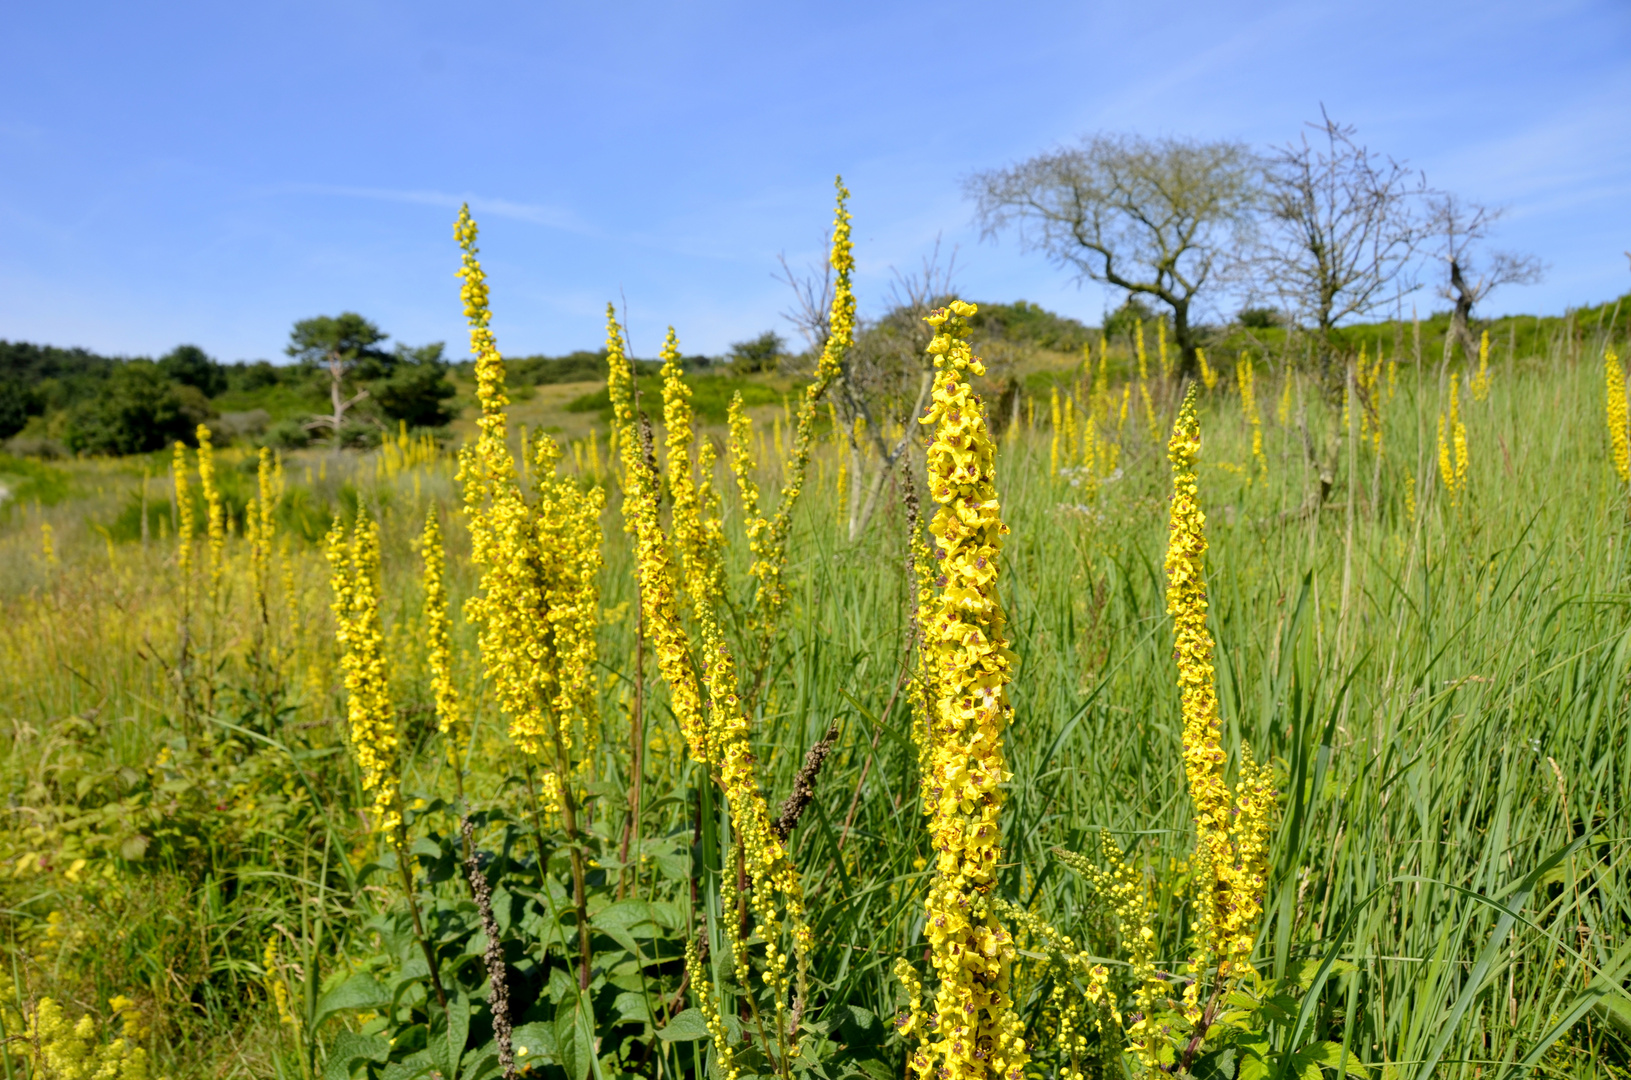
687 1026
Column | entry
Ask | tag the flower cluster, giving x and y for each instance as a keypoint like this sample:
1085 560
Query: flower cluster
653 566
539 597
1246 378
1618 442
768 540
483 346
354 571
65 1050
973 1031
214 513
776 896
185 523
1231 825
439 646
1479 383
1452 444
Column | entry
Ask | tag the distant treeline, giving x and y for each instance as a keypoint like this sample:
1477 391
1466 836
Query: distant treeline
56 400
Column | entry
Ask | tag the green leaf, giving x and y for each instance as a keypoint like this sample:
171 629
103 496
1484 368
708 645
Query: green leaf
359 993
1217 1065
349 1049
632 1006
450 1043
575 1037
532 1042
1332 1054
687 1026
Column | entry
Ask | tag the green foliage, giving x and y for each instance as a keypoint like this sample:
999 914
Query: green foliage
1022 322
416 390
29 481
139 410
191 366
711 397
347 339
1122 324
757 355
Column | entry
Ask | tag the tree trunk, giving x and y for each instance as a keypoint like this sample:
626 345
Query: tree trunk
1461 313
1183 335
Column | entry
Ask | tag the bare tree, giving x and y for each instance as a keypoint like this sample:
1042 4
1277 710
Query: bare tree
885 376
1462 228
1157 217
1344 225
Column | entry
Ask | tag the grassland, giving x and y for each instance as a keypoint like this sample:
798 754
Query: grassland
1442 689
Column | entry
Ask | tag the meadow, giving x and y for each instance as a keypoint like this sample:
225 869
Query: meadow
282 802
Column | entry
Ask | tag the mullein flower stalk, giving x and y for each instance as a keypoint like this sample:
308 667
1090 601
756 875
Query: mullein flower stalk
1231 824
1209 376
972 1031
186 525
1058 430
767 539
1479 383
1452 446
214 515
1619 443
450 718
539 598
720 742
1247 380
370 717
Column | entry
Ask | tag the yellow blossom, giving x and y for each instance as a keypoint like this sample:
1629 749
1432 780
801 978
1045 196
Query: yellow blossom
1231 825
973 1031
359 629
1619 443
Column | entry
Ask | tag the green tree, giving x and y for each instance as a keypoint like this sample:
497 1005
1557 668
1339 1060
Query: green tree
192 366
758 354
418 388
344 347
16 405
140 410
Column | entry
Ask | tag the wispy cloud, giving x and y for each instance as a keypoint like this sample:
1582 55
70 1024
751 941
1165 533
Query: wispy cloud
552 217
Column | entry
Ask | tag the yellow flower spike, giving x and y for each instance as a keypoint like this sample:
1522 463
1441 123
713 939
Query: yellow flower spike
1053 450
1247 379
1452 445
370 720
1230 825
1619 443
653 567
185 522
439 646
697 568
768 540
1209 377
214 514
1479 384
722 740
976 1033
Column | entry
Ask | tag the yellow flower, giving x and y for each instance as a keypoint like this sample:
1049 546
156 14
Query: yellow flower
1618 443
214 513
1247 380
768 539
360 631
1452 445
973 1031
1231 825
439 646
74 1051
539 601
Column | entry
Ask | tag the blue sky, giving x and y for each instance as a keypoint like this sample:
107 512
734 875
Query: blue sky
209 173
